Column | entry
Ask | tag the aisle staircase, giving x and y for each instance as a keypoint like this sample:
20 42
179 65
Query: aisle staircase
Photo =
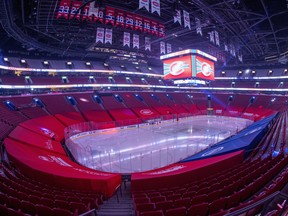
120 204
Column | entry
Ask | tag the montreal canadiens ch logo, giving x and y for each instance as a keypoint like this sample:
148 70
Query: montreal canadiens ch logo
146 112
206 69
176 68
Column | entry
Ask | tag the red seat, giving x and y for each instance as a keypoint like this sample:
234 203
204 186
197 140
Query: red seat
180 211
43 210
186 202
157 199
152 213
198 210
62 212
164 205
28 207
217 205
145 207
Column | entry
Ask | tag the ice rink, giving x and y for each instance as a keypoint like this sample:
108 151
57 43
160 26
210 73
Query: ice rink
146 147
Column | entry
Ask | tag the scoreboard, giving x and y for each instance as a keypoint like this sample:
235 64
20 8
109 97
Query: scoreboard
188 63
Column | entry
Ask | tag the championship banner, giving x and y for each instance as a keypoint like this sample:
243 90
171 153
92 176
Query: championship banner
155 6
100 15
135 41
144 3
138 23
146 22
93 11
108 36
217 38
147 44
63 9
110 16
226 47
154 28
240 57
129 21
161 32
198 26
211 36
162 47
100 35
126 39
86 12
186 19
75 6
177 17
120 19
169 48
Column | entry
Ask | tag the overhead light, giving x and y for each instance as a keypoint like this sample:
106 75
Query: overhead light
106 65
6 59
285 70
149 68
253 71
23 61
45 62
137 67
69 63
247 71
273 99
88 63
122 66
223 72
240 72
270 71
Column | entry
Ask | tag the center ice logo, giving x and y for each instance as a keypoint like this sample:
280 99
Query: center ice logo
146 112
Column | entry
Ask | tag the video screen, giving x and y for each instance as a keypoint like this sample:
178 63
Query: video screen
188 64
204 68
178 68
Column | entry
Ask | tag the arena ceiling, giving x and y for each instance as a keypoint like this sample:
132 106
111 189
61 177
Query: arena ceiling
258 29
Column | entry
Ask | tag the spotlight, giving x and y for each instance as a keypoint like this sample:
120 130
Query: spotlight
6 59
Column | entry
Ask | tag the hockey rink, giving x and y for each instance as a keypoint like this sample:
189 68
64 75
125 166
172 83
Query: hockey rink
149 146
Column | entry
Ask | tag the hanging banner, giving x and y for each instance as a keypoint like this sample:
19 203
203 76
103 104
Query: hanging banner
93 11
177 17
155 6
169 48
63 10
110 16
211 36
226 47
129 21
75 6
85 10
162 47
240 57
135 41
100 15
217 38
198 26
146 27
186 19
154 28
145 4
100 35
108 36
138 23
126 39
120 19
147 44
161 29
